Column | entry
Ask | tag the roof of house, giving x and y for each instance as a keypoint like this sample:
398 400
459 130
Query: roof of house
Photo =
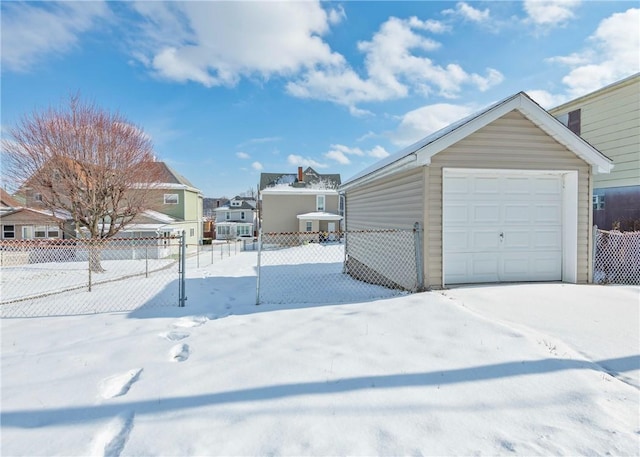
608 88
167 175
7 200
58 214
312 179
243 205
421 152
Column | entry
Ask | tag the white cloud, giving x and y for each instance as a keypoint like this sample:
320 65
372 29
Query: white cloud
257 166
340 153
393 70
217 43
242 155
300 161
423 121
469 13
550 12
33 31
610 54
378 152
546 99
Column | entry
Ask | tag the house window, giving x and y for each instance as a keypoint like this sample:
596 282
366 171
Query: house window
598 202
319 202
37 197
574 121
8 231
243 230
228 215
44 231
192 232
170 199
309 227
242 215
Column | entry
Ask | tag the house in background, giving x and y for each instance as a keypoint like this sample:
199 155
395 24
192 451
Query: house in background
609 119
8 202
174 205
21 223
238 218
173 195
306 201
503 195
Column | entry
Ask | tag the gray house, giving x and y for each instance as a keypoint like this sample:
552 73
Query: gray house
503 195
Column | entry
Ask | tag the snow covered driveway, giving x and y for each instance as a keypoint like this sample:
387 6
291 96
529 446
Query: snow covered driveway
425 374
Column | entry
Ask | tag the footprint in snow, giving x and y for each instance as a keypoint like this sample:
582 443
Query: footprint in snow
118 385
111 440
191 321
174 335
179 353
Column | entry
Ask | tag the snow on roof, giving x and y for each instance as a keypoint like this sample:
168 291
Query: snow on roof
287 189
158 216
320 215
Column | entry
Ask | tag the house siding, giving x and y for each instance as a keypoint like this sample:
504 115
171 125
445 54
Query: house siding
511 142
610 121
396 202
280 211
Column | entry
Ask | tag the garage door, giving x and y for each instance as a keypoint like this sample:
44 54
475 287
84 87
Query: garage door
500 226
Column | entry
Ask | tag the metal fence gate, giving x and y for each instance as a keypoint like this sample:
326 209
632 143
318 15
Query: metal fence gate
338 267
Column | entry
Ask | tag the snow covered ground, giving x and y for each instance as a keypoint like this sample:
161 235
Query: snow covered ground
535 369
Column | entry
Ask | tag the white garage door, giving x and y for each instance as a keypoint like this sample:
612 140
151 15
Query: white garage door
501 227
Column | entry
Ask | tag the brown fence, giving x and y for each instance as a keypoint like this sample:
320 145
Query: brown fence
616 257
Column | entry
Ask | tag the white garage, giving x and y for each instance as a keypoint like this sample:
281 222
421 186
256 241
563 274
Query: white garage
505 225
503 195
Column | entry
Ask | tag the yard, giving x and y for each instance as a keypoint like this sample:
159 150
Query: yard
532 369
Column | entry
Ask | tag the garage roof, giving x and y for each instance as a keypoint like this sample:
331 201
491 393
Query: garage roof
421 152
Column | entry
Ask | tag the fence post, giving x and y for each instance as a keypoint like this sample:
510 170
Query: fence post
197 254
146 259
417 242
258 268
181 281
594 253
89 264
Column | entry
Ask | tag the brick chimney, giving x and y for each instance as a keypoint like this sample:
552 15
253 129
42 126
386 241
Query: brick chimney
300 175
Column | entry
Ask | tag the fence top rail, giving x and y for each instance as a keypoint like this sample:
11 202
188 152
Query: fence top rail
80 241
340 232
619 233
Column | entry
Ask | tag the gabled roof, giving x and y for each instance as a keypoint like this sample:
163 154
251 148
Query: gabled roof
167 175
7 200
228 207
311 179
421 152
41 213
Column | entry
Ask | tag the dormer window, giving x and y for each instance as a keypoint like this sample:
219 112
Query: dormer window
236 203
319 202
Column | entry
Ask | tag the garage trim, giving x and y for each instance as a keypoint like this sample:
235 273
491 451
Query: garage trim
569 217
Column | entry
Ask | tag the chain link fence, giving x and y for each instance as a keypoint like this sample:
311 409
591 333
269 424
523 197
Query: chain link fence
208 254
319 267
81 276
616 257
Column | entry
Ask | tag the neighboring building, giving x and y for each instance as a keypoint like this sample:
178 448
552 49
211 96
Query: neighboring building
503 195
609 119
173 195
209 206
28 223
304 202
8 202
238 218
174 204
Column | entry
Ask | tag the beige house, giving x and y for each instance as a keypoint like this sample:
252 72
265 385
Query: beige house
302 202
502 195
32 224
609 119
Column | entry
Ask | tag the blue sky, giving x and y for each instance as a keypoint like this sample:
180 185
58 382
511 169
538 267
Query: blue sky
227 90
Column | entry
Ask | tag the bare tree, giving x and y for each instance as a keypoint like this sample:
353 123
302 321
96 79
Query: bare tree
85 161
